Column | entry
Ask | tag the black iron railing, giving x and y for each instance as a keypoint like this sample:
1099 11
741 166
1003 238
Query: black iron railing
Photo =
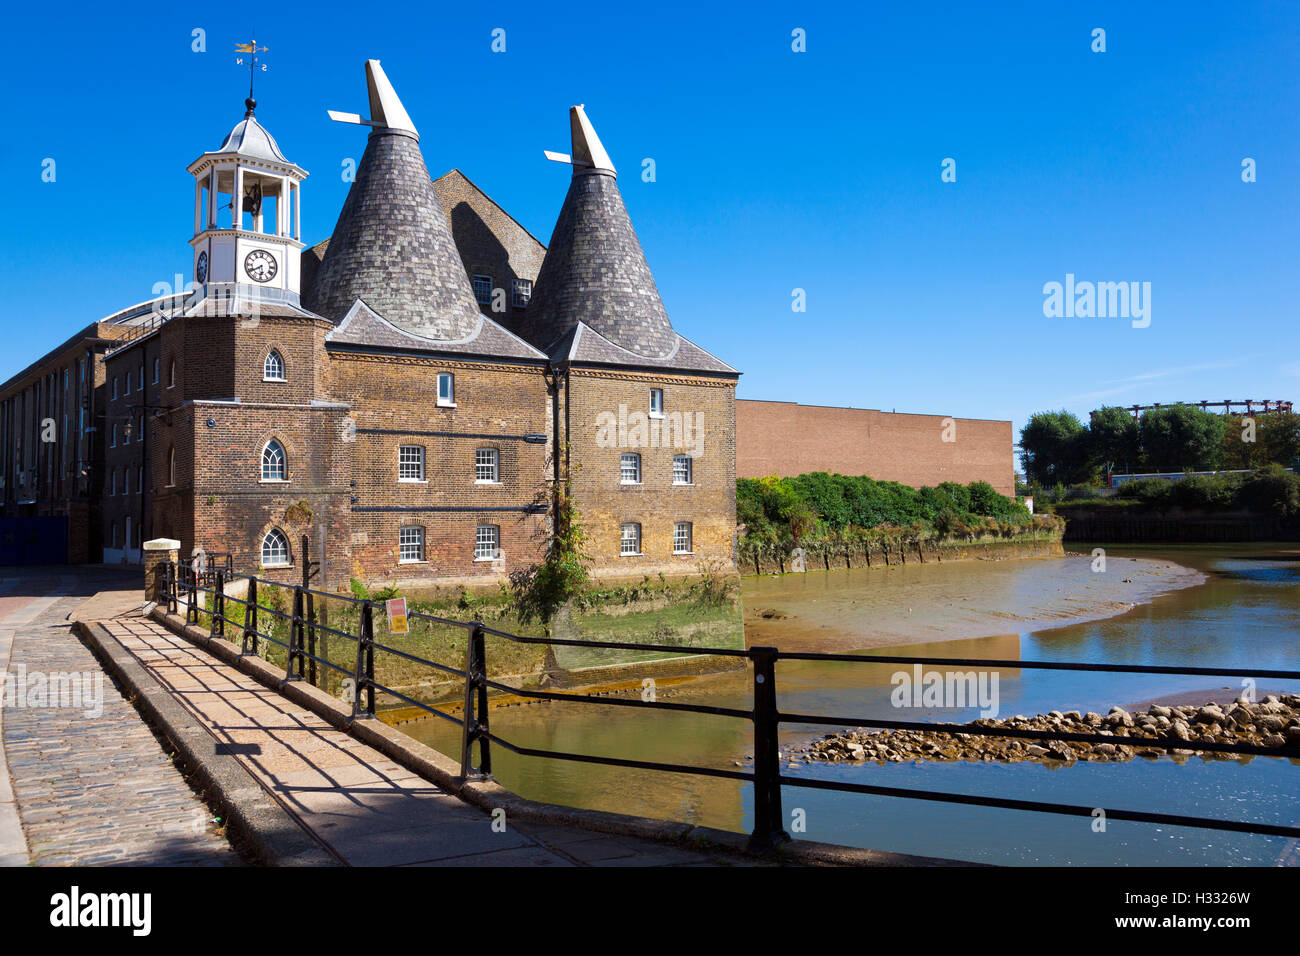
185 584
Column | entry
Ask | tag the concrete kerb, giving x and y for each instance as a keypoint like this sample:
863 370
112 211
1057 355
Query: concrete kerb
258 825
441 770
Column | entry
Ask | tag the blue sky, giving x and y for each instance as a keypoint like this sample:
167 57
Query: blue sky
775 170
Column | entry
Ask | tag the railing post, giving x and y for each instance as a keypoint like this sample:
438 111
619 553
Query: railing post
768 819
250 618
311 639
364 675
218 628
295 638
192 596
171 587
475 715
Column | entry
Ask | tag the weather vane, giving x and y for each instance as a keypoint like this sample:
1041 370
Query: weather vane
252 49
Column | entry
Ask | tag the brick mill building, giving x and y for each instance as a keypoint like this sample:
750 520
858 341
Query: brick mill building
401 397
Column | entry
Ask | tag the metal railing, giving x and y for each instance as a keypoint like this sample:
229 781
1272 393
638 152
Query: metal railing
185 584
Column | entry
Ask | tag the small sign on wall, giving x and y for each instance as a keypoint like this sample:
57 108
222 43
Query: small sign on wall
396 608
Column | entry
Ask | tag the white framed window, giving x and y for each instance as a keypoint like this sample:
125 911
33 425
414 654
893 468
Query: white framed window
139 430
657 402
446 389
630 541
157 365
128 384
629 468
140 379
113 537
485 466
683 472
682 537
275 549
126 490
410 463
482 289
171 374
487 542
273 367
410 545
115 386
273 462
521 290
112 440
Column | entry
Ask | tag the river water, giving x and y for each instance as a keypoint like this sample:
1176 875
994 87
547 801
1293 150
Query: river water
1231 605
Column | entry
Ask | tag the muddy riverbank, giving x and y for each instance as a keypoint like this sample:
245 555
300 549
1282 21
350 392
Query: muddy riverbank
917 604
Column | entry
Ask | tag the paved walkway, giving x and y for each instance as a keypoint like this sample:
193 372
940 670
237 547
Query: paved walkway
87 788
358 804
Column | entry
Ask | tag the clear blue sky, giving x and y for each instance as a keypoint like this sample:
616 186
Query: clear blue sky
775 170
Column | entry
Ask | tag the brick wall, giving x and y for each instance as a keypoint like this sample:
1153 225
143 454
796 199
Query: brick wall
489 241
784 438
394 402
605 503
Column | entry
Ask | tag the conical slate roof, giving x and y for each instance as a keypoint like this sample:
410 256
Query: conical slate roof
392 246
594 271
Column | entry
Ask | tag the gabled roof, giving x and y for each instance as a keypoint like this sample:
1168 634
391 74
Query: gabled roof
583 345
595 271
363 327
392 245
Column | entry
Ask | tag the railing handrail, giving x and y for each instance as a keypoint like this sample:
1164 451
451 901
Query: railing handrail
765 715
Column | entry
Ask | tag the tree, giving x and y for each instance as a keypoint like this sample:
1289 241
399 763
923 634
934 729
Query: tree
1280 434
1054 449
1113 439
1235 450
1181 438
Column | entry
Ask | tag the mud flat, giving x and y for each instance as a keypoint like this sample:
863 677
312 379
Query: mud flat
916 604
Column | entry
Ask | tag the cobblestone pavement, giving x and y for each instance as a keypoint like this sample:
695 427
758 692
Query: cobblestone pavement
90 789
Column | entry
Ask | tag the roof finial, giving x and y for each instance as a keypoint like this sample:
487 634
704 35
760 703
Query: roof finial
588 153
253 49
386 110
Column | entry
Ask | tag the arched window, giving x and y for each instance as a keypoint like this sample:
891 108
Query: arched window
273 461
273 367
275 549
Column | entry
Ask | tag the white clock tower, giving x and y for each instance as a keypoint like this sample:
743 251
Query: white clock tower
247 212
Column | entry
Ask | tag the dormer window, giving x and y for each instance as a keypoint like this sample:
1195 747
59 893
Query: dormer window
521 290
483 290
273 367
656 403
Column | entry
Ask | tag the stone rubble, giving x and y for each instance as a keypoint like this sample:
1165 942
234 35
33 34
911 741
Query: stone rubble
1272 722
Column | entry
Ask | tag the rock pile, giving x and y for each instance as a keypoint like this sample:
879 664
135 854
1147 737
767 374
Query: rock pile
1272 722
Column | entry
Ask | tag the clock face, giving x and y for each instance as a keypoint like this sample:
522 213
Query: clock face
201 269
260 265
